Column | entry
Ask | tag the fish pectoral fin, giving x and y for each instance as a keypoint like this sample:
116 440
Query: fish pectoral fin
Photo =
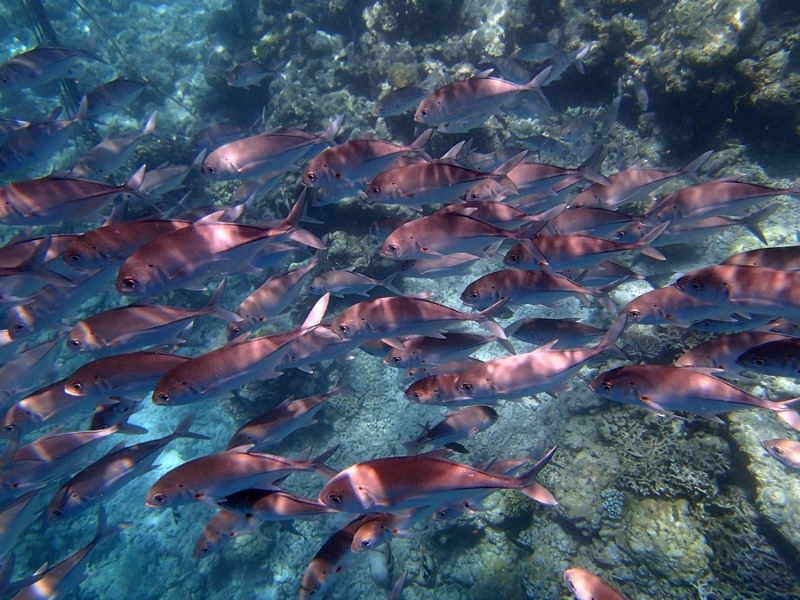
394 343
655 407
207 500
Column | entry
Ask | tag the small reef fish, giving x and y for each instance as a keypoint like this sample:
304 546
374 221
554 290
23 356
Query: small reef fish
588 586
399 101
345 281
663 389
786 452
109 474
112 96
246 74
400 482
462 424
225 526
36 67
210 478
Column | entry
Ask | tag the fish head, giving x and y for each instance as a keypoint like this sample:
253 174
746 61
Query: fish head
520 257
350 490
640 311
217 165
173 391
617 384
80 385
21 322
138 278
786 452
479 295
708 284
351 325
433 389
430 111
83 339
318 579
65 504
768 359
167 494
83 254
579 583
370 535
397 358
19 418
317 286
236 328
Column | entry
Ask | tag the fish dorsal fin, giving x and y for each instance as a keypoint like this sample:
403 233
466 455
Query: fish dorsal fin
484 74
547 347
314 317
212 218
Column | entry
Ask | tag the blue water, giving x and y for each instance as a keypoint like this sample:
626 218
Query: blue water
660 508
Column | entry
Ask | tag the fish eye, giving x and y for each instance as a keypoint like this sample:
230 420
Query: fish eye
74 258
634 314
777 450
19 326
335 498
73 343
209 170
396 360
392 248
311 176
513 258
417 395
424 112
759 361
695 284
376 190
606 386
129 283
236 330
159 497
466 386
619 234
366 544
474 295
76 385
163 397
57 512
342 328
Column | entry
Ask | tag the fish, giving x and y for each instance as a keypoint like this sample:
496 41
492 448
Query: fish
166 178
106 476
721 197
670 305
567 332
358 161
225 526
216 135
588 586
66 575
286 418
573 251
639 91
187 256
112 153
612 113
37 142
498 214
447 265
55 199
462 424
116 412
270 299
452 346
265 152
121 374
779 357
723 352
598 221
52 303
397 589
330 560
381 228
381 318
664 389
445 233
536 52
115 242
541 370
379 530
21 249
634 183
315 344
399 101
438 389
9 588
246 74
763 290
478 95
50 457
423 182
397 483
786 452
561 61
342 282
28 370
210 478
15 517
139 326
20 283
112 96
36 67
9 126
520 286
215 374
782 258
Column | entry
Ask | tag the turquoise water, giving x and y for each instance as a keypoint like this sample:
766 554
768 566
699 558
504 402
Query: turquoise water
658 507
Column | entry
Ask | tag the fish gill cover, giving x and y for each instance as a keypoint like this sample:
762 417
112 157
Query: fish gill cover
667 492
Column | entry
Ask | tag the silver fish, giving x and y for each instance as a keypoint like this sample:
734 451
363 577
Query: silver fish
358 161
723 351
65 576
664 389
38 66
452 346
106 476
265 152
399 101
397 483
15 517
588 586
138 326
37 142
568 332
462 424
210 478
28 370
448 265
786 452
670 305
779 357
225 526
112 153
216 135
246 74
340 283
9 126
273 505
286 418
783 258
113 95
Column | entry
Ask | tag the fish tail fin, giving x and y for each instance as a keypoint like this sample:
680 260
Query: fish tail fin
512 162
318 463
83 110
790 416
484 319
182 430
150 126
691 169
419 143
506 344
590 169
607 344
214 306
538 82
753 222
332 129
289 226
387 283
532 488
644 243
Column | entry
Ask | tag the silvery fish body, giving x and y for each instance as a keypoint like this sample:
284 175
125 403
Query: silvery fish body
38 66
664 389
723 351
588 586
670 305
399 101
782 258
462 424
246 74
111 96
778 357
786 452
265 152
568 332
452 346
273 505
225 526
345 281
